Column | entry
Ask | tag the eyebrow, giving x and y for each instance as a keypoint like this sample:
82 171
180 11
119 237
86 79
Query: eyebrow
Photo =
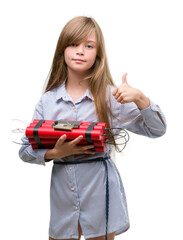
91 41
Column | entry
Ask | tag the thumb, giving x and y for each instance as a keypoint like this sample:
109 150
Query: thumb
124 80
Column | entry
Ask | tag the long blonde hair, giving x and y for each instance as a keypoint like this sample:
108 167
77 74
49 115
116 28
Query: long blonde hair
99 75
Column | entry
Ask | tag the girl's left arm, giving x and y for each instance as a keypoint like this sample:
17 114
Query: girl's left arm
142 115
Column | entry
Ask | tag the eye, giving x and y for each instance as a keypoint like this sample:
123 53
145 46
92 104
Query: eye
89 46
73 45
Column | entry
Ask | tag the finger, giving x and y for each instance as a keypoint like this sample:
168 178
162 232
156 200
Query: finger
115 91
62 139
87 151
76 140
125 99
124 80
82 149
86 147
120 98
118 94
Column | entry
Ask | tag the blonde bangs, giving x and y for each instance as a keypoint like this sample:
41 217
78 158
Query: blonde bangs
77 30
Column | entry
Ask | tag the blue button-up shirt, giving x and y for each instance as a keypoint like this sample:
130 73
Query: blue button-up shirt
78 191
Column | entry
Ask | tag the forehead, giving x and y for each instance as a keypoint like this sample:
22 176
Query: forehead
91 38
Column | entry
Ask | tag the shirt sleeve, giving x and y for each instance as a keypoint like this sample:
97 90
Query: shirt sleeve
148 122
154 119
26 153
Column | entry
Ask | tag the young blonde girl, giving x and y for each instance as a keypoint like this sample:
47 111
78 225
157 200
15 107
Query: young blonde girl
80 88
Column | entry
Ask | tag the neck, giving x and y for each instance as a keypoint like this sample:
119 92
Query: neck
76 85
76 80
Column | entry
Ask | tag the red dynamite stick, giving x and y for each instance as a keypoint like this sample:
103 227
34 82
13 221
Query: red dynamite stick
53 142
82 126
50 122
47 146
74 133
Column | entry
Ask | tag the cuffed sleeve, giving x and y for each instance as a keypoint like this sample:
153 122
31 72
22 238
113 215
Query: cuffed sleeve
26 153
148 122
154 119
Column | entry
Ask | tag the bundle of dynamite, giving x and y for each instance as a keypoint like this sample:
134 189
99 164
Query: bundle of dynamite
45 133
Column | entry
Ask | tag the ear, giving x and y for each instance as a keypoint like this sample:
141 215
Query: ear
124 80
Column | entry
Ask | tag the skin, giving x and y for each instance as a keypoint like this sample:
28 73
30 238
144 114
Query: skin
86 51
80 57
126 94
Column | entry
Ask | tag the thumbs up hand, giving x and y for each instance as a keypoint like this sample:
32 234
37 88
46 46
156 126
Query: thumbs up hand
126 94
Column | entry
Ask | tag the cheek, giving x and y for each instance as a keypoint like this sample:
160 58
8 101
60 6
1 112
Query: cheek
93 58
66 55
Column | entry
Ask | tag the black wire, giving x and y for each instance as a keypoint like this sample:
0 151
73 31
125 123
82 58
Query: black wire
21 143
112 137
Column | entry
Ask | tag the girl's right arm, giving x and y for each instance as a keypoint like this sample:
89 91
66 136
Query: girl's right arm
26 153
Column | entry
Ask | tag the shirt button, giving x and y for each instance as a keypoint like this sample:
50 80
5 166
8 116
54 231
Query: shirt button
72 188
74 107
70 168
76 208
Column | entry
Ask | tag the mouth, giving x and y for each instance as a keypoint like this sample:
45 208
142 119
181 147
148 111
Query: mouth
79 60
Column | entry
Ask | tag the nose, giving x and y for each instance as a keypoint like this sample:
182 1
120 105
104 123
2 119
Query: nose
80 49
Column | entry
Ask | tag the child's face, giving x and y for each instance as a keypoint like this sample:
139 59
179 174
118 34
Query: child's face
81 57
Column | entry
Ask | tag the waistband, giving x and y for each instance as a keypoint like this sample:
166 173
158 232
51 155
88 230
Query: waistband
99 159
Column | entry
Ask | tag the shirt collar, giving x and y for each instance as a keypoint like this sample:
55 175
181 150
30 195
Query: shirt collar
88 94
61 93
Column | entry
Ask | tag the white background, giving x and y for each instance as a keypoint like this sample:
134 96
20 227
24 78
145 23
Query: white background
143 38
